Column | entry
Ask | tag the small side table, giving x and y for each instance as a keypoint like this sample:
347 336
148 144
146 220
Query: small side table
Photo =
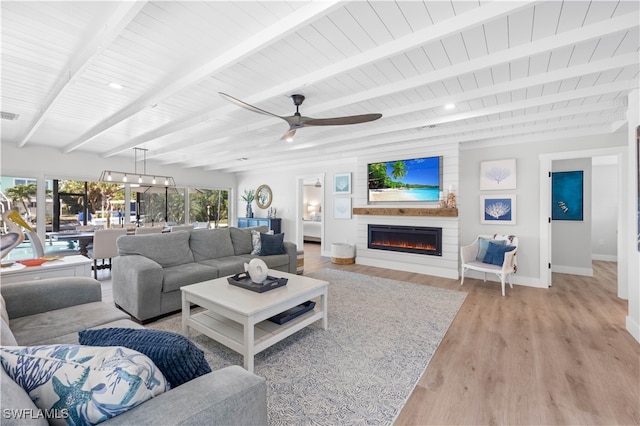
343 253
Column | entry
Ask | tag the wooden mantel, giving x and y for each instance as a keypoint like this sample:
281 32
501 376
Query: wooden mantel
405 211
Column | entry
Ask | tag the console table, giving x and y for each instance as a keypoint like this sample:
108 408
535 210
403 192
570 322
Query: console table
274 224
68 266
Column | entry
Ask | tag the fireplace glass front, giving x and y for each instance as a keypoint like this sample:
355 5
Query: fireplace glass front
408 239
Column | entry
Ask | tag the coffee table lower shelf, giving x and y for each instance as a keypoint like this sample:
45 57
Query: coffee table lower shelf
266 333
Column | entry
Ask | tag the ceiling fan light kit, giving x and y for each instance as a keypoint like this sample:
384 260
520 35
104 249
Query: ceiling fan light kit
298 121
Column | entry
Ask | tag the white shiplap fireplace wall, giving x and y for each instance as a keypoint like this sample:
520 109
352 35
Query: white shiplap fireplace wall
443 266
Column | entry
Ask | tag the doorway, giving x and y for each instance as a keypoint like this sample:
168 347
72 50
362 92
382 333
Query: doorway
546 235
310 223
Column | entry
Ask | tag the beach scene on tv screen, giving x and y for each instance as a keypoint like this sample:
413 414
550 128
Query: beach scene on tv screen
405 180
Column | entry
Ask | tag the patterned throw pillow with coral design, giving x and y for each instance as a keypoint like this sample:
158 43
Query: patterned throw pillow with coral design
77 384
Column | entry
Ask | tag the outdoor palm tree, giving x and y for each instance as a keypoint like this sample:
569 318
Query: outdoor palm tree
23 193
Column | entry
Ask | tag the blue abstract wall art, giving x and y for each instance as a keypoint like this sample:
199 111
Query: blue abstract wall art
567 195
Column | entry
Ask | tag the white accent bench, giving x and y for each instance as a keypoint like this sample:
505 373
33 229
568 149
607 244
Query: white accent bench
509 266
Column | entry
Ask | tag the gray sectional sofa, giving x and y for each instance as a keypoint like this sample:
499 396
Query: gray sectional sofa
52 311
150 269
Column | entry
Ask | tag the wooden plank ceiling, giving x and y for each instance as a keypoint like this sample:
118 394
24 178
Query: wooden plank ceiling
531 71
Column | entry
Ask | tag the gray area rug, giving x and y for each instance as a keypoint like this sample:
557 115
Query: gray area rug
382 334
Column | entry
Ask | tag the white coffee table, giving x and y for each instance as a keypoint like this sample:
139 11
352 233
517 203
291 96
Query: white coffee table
237 318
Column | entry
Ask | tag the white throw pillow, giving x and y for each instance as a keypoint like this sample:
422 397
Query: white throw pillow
78 384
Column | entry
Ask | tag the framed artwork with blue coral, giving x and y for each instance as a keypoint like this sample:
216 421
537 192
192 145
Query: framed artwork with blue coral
567 195
342 183
498 209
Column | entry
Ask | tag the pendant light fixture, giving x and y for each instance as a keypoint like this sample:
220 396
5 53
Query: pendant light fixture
143 179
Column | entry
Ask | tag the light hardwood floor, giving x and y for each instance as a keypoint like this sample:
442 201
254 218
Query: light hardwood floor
557 356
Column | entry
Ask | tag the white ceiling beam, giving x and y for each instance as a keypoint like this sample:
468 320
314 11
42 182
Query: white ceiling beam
369 133
569 38
516 135
438 31
260 40
451 132
518 84
105 34
557 42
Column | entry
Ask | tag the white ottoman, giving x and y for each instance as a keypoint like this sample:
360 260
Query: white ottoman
343 253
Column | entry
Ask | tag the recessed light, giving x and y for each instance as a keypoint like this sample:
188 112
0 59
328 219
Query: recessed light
449 106
115 85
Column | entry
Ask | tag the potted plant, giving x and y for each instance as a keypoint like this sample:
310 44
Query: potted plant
248 197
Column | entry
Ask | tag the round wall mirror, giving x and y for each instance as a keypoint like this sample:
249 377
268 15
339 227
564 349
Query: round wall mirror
263 196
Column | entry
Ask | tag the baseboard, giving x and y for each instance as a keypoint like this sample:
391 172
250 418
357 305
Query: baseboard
633 328
605 257
515 279
559 269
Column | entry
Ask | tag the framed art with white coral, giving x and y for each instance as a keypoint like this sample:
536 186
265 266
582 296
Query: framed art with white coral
498 209
498 174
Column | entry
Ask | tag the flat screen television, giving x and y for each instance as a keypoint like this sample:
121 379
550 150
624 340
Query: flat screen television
414 180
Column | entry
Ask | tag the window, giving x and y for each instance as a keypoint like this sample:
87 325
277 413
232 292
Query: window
210 206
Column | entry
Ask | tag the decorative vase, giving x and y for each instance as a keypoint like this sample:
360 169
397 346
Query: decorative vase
257 270
249 211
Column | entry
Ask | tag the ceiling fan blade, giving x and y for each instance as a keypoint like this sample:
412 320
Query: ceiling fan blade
352 119
288 136
246 105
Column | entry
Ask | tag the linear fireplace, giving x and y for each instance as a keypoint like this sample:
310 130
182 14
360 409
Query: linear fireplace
408 239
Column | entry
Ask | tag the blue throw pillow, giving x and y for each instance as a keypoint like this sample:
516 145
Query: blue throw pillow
495 253
482 247
177 357
272 244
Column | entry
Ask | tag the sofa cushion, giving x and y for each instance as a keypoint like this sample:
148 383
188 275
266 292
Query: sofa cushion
6 335
272 244
168 249
181 275
15 398
3 309
273 262
179 359
495 253
227 265
86 384
46 327
241 238
211 244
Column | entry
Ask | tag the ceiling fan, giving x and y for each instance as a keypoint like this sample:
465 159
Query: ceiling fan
298 121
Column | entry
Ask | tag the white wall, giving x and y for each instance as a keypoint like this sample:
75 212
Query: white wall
527 226
571 240
284 187
630 193
604 209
